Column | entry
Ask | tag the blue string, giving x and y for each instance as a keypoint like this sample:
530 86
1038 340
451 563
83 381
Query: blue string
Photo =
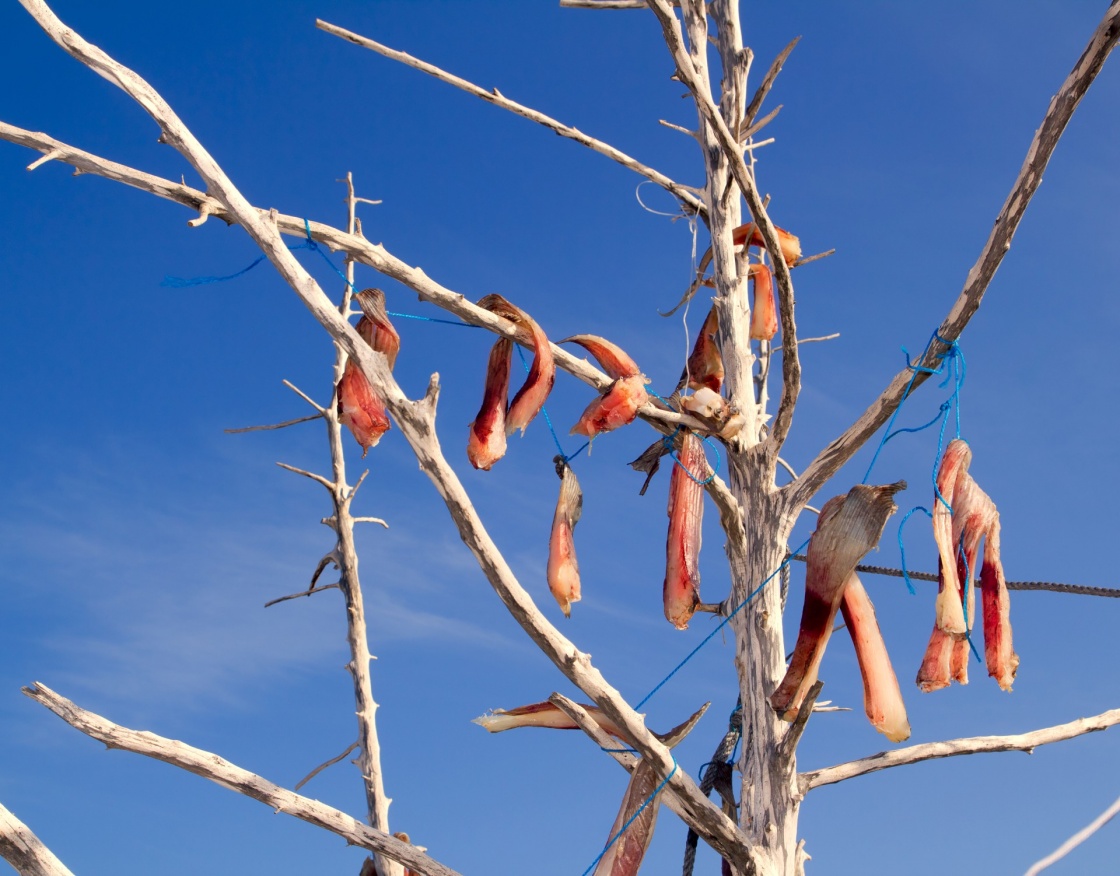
668 440
630 820
457 322
548 419
967 575
184 282
902 547
721 625
951 355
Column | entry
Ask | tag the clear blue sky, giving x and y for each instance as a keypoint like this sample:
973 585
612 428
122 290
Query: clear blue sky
139 542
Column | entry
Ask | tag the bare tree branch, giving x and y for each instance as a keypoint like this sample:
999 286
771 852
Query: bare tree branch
1077 839
25 851
729 144
1058 114
222 772
764 89
952 748
684 194
283 425
309 592
416 421
326 764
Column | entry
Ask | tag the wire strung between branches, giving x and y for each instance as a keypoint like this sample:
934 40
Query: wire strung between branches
1076 589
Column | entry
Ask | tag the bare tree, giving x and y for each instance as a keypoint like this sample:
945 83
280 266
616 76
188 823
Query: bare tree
758 833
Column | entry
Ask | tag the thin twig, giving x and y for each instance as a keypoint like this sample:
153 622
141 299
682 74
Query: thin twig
323 766
954 747
788 746
309 592
283 425
761 123
322 410
234 778
1077 839
764 89
1042 147
813 258
319 479
691 203
831 337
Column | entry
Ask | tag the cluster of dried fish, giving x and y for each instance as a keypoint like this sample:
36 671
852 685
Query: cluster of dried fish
963 514
624 851
848 527
360 408
498 418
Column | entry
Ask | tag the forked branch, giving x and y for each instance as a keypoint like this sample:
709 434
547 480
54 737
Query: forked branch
222 772
1057 116
417 424
954 747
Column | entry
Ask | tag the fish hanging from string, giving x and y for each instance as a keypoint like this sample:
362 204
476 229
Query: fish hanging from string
619 403
495 421
847 528
963 515
681 591
563 570
360 408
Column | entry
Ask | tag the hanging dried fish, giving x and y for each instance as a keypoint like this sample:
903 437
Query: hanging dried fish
542 715
764 315
360 408
749 235
618 404
563 569
486 440
704 368
681 592
847 528
882 698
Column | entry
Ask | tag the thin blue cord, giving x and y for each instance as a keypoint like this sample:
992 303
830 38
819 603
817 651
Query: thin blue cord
902 547
964 602
720 626
457 322
668 442
548 419
630 820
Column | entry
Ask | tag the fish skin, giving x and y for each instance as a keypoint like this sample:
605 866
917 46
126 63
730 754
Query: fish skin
486 438
542 715
764 317
681 591
882 697
530 398
847 528
611 357
617 406
749 235
563 568
951 472
934 673
359 406
705 364
1002 661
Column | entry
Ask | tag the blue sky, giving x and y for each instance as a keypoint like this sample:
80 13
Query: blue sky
139 542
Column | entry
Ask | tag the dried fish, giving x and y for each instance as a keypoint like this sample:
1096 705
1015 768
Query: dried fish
681 592
563 569
360 408
847 528
749 235
619 403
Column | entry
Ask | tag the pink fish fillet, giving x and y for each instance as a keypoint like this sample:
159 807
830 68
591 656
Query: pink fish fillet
705 365
638 813
681 592
1001 658
614 408
619 403
764 317
542 715
847 528
486 439
563 569
951 473
611 357
360 408
882 698
542 373
749 235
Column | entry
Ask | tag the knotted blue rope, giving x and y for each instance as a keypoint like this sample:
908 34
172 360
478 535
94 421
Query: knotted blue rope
667 442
